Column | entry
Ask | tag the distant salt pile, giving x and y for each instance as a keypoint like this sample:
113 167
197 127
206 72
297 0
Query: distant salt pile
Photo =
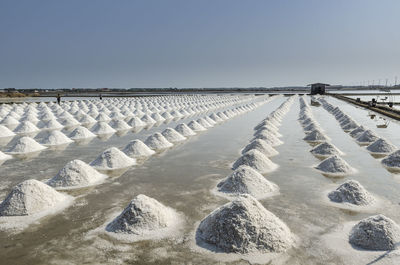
112 159
392 161
148 119
325 149
86 119
137 148
367 137
70 122
173 136
120 125
103 128
5 132
203 122
9 121
315 136
244 226
357 132
184 130
103 117
381 146
268 130
349 126
53 125
25 145
256 160
55 138
311 127
81 133
157 117
135 122
26 127
269 138
335 166
167 116
262 146
246 180
216 118
195 126
4 157
76 174
376 232
157 142
351 192
145 217
31 197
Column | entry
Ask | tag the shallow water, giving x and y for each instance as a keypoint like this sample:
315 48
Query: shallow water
182 178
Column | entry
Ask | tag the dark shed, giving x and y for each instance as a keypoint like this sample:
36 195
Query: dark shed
318 88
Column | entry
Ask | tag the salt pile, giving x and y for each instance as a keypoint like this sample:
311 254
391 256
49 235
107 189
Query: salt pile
256 160
392 161
195 126
5 132
367 137
376 232
351 192
144 216
120 125
148 119
268 130
80 133
112 159
9 121
31 197
70 122
184 130
25 145
173 136
262 146
335 165
135 122
26 127
246 180
381 146
311 127
325 150
244 226
137 148
76 174
349 126
103 128
268 138
157 142
357 132
4 157
55 138
53 125
315 136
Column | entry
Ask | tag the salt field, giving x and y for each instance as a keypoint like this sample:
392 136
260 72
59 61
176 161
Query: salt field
198 179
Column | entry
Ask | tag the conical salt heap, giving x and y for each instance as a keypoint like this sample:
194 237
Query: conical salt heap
246 180
311 127
315 136
55 138
376 232
31 197
195 126
335 165
53 125
325 150
269 138
81 133
173 136
349 126
184 130
157 142
4 157
392 161
137 148
381 146
144 216
76 174
25 145
262 146
26 127
5 132
351 192
112 159
244 226
268 130
135 122
256 160
367 137
357 132
120 125
103 128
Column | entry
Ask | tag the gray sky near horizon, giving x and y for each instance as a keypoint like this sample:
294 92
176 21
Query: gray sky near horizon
197 43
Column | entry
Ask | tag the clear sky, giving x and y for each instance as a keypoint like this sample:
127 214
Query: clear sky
203 43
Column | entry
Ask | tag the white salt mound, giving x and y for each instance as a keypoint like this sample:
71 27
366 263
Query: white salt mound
103 128
256 160
143 216
80 133
26 127
4 156
5 132
244 226
112 159
137 148
315 136
367 136
325 150
334 165
268 138
173 136
246 180
56 138
351 192
195 126
392 160
157 142
381 146
357 132
31 197
184 130
261 146
25 145
76 173
376 232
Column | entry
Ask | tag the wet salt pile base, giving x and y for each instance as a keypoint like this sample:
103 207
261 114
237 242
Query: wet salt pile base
200 179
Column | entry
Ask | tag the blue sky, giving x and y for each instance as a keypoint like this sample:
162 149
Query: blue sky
203 43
